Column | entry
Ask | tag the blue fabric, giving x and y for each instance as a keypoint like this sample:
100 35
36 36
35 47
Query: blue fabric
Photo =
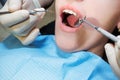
43 60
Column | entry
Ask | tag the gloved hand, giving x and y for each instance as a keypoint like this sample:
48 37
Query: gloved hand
113 55
20 23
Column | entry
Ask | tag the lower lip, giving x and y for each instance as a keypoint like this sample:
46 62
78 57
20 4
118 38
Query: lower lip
67 28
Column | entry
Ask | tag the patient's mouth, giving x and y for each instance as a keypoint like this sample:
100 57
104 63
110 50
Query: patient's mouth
69 18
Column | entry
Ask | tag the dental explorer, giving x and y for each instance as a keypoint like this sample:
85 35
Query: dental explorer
32 12
99 29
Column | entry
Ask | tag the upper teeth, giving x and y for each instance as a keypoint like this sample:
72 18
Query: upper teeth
70 12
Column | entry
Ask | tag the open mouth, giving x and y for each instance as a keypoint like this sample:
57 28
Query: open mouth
69 18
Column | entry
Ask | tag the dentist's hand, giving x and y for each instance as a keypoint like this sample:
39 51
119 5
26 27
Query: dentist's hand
113 55
20 23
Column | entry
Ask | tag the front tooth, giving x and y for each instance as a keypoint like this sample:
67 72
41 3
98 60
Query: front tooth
70 12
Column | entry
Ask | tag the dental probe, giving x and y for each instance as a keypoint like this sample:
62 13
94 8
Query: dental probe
32 12
99 29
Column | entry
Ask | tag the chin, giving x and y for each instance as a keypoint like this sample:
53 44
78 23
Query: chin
66 49
67 46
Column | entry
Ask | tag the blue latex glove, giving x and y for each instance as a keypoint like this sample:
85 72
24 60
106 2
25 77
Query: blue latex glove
43 60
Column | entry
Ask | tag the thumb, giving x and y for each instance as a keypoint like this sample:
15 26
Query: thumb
110 53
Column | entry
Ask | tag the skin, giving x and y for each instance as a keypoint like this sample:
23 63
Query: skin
103 13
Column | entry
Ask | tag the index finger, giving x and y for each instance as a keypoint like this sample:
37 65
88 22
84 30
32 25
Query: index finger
11 19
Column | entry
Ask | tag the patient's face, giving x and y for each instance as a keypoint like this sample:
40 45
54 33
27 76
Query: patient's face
103 13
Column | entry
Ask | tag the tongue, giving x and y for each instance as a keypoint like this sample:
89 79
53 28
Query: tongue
71 20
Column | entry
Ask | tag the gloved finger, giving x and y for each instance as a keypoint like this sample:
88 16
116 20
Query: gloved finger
110 53
11 19
117 49
26 40
14 5
118 42
22 29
